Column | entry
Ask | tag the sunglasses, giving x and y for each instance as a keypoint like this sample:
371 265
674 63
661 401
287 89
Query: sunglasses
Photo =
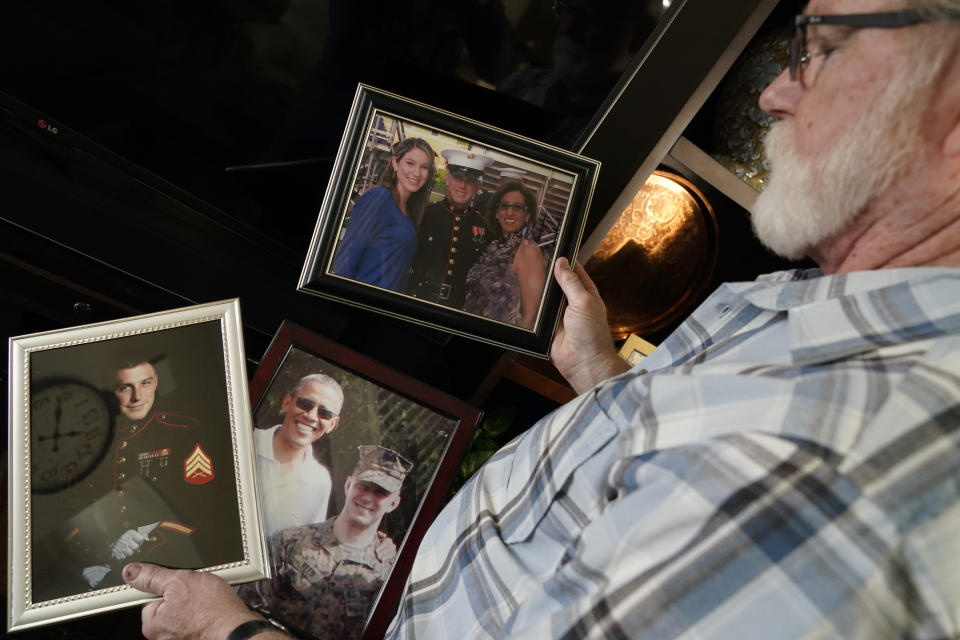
306 404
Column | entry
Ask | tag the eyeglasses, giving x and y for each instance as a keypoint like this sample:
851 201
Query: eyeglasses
306 404
516 206
800 57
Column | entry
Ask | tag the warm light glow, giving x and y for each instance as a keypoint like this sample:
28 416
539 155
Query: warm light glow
659 211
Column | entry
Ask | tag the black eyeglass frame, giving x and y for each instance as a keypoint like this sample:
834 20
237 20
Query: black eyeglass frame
308 405
799 56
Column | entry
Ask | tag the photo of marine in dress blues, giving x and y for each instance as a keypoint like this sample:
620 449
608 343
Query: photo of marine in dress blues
161 488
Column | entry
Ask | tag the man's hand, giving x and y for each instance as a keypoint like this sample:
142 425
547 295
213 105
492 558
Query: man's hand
95 574
582 349
193 606
127 544
386 549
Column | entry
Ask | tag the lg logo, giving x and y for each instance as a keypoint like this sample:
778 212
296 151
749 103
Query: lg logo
43 124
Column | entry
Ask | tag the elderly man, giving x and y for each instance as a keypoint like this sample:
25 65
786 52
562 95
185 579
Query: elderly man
785 464
296 486
452 233
327 575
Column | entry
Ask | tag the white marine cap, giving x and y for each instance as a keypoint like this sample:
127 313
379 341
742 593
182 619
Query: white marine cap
465 164
512 173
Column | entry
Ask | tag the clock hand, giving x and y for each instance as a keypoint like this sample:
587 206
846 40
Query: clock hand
89 433
57 413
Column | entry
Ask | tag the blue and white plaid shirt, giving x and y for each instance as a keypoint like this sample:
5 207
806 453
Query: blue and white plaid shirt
785 465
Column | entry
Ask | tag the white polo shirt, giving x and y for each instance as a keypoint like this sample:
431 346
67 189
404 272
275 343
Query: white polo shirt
289 498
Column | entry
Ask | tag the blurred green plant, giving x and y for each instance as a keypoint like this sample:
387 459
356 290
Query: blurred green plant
496 430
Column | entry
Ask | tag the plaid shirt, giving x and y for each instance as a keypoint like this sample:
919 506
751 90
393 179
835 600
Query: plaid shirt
785 465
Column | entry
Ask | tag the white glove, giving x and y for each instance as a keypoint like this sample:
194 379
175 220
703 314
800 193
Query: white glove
127 544
93 575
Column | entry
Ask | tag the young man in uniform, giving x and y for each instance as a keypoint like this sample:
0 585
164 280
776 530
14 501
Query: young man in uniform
452 233
327 575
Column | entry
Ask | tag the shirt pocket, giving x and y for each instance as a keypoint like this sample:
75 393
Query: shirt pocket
546 458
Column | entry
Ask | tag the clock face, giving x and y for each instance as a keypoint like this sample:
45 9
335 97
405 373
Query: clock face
69 433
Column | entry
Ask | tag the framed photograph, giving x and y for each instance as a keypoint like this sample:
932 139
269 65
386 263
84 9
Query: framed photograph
448 222
354 461
129 441
635 349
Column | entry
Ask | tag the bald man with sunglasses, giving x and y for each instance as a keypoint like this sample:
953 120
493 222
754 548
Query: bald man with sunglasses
296 486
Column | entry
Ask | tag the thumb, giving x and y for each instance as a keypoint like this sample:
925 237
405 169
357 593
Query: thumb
574 281
147 577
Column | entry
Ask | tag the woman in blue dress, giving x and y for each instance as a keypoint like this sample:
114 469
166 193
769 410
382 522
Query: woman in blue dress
381 235
506 281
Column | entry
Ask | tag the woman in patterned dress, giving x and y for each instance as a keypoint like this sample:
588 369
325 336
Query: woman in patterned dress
506 281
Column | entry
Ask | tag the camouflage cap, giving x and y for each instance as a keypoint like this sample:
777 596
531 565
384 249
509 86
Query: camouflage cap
383 467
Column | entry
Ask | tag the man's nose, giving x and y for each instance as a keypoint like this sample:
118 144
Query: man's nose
780 97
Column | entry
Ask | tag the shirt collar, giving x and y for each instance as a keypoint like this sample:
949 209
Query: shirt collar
843 314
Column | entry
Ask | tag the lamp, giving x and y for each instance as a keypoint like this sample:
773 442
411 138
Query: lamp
658 257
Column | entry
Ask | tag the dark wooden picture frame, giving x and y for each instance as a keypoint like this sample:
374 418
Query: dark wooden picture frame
380 407
561 184
92 461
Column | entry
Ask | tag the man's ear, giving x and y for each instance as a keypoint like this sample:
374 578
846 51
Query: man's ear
334 423
394 502
951 144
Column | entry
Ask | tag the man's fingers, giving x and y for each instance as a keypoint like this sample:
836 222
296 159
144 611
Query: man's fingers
127 544
148 577
567 279
575 282
149 612
585 280
95 574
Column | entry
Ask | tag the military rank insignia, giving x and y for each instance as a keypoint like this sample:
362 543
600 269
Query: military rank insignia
198 467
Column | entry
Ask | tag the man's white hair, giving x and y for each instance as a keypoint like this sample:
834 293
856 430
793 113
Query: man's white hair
321 379
949 7
946 9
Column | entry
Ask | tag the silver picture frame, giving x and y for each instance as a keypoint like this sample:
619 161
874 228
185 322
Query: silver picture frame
74 433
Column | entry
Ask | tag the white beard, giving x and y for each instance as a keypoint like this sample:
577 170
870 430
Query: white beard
808 200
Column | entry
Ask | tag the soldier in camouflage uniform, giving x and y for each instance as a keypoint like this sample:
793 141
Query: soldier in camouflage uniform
327 575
